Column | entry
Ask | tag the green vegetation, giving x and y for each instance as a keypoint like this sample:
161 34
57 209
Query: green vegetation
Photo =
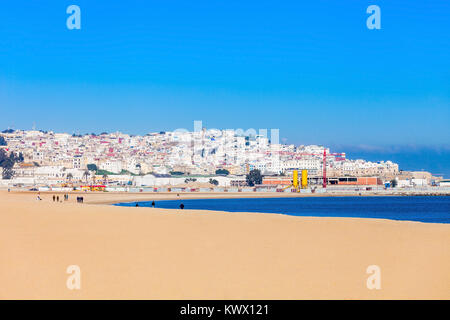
3 141
104 172
176 173
128 172
214 182
92 167
101 172
224 172
7 163
254 177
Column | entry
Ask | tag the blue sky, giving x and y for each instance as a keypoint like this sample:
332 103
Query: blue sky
310 68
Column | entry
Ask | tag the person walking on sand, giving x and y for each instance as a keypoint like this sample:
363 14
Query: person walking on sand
153 203
57 198
53 198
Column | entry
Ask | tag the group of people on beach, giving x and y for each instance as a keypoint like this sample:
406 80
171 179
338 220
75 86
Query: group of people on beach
65 198
56 198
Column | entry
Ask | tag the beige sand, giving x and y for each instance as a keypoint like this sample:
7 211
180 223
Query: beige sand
145 253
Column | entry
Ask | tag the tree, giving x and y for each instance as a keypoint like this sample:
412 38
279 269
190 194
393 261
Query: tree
7 164
7 173
3 141
92 167
254 177
214 182
86 175
139 168
222 172
394 183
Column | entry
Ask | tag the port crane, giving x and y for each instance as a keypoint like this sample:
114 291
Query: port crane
324 164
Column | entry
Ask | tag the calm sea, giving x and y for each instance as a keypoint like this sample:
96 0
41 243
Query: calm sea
425 209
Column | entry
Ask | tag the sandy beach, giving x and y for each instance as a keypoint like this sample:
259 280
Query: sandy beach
147 253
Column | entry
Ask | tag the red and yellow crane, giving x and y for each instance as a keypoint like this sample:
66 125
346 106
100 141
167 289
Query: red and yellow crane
324 165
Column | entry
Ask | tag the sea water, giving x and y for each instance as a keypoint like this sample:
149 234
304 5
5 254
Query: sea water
434 209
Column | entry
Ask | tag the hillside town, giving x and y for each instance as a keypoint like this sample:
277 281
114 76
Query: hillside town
203 158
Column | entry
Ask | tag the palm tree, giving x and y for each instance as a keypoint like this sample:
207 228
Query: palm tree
86 175
105 179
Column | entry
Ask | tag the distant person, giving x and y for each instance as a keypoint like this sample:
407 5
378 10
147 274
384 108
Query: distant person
39 197
9 190
181 206
137 204
153 204
57 198
54 198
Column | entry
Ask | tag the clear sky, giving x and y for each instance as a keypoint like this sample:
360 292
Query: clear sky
310 68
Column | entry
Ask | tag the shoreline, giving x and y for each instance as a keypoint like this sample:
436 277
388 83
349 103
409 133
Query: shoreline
123 197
